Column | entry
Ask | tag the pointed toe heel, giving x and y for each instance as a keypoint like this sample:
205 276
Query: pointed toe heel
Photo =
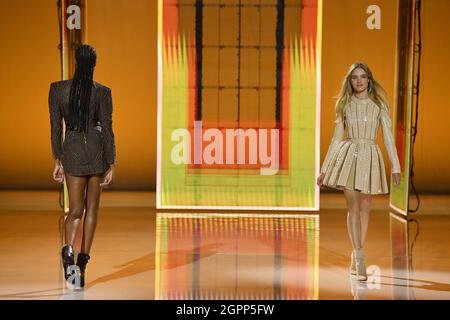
361 273
353 265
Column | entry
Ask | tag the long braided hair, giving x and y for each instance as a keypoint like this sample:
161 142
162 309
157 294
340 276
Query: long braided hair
80 90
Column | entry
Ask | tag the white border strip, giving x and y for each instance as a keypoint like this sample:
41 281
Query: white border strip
235 215
199 207
318 99
159 107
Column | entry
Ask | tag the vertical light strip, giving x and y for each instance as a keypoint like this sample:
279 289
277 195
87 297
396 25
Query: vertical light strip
399 195
396 86
318 66
159 103
409 108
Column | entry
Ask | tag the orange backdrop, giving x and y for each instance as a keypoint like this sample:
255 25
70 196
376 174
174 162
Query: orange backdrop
124 34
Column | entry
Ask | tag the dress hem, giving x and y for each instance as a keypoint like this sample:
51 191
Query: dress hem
342 188
85 174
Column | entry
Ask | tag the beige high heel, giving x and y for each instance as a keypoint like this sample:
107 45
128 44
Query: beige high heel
353 265
361 273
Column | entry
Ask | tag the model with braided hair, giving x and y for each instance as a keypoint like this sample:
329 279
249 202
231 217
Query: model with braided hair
356 165
85 158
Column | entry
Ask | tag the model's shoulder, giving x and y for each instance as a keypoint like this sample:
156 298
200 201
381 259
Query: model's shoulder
101 86
60 83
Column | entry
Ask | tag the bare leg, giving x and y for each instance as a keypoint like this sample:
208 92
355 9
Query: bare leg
353 218
365 202
354 229
76 188
90 220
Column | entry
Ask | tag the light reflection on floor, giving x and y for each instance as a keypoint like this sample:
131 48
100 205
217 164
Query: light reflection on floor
233 256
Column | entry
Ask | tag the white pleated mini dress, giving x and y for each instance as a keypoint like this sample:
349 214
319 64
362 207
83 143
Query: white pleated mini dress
356 163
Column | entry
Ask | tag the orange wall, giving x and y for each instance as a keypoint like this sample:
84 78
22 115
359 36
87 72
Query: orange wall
124 34
29 61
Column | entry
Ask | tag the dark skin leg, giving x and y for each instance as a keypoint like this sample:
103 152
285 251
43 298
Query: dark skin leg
76 188
83 191
90 219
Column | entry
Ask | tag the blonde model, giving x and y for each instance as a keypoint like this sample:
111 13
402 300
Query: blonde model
356 165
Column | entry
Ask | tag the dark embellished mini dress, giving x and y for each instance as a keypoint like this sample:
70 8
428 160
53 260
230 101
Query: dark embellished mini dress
80 153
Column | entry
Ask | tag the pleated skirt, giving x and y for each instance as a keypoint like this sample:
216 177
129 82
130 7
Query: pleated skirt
357 166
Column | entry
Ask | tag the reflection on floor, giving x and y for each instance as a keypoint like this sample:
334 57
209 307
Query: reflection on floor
140 253
236 256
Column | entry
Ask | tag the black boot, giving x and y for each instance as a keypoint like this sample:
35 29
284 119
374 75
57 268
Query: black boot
82 261
68 259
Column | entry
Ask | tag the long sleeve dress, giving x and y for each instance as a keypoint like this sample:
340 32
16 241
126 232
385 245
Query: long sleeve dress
82 154
357 162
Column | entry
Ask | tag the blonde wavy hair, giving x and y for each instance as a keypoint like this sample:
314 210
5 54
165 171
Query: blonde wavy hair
375 91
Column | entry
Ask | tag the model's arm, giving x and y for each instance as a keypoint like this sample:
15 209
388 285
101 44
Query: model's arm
55 123
389 141
105 115
338 136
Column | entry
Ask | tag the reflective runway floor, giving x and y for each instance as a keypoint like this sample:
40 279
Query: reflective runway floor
142 253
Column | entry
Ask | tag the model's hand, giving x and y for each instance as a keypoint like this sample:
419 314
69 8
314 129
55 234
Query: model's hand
109 178
58 173
396 177
320 180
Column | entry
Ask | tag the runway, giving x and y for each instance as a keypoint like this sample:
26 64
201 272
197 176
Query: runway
143 253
